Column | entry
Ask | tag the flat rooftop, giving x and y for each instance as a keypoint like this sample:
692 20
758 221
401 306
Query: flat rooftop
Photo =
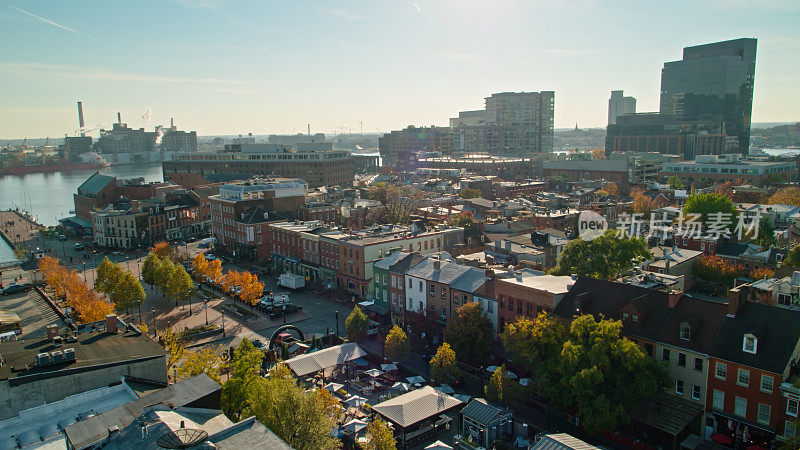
547 283
34 313
91 349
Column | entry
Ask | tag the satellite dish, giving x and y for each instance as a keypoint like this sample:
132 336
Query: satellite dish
182 438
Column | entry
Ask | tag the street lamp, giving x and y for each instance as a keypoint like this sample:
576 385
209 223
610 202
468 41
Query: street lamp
337 323
154 320
205 306
223 322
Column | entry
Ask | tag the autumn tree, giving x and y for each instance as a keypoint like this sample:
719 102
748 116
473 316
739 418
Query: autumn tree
163 250
605 257
200 266
356 325
462 220
252 289
500 388
610 188
87 305
214 270
598 153
761 273
380 435
207 360
396 345
173 345
642 204
399 200
443 365
244 372
716 269
531 342
470 333
785 196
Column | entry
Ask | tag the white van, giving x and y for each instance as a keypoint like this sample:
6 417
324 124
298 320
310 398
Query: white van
8 336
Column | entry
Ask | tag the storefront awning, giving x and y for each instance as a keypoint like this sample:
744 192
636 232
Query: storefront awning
75 222
667 413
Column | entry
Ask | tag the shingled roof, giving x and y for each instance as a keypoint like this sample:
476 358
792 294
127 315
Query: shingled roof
412 407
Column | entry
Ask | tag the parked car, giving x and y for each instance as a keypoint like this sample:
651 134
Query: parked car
15 289
258 344
62 237
79 246
280 310
284 338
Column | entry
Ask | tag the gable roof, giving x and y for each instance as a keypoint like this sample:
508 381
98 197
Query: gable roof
392 258
249 434
705 319
608 298
323 359
407 409
94 184
470 281
562 441
447 272
777 329
479 410
404 264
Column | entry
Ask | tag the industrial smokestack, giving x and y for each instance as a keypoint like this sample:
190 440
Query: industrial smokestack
80 118
119 118
171 122
309 129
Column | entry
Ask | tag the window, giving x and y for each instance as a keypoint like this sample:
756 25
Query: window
665 354
682 359
510 304
443 292
790 429
455 298
679 387
635 318
740 407
695 392
698 364
784 299
489 307
743 378
792 406
410 283
432 290
420 286
625 316
766 383
719 400
750 344
722 371
764 413
686 331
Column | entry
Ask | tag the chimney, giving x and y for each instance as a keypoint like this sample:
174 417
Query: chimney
437 265
52 332
488 273
171 122
674 297
119 118
111 323
80 118
735 300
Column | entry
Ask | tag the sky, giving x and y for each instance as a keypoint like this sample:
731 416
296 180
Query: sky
261 66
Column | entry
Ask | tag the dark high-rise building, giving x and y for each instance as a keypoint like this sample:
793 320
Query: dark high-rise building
713 84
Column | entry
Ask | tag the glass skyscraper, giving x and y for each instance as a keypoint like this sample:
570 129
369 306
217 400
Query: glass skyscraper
712 87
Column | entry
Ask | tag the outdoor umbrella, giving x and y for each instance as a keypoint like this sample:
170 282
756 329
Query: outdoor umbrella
438 445
415 379
401 386
373 372
333 387
355 425
525 381
445 389
462 397
491 369
388 367
355 400
511 375
360 362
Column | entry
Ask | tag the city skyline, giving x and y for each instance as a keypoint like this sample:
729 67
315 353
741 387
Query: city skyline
268 68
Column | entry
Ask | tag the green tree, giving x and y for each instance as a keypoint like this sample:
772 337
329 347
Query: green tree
599 374
500 389
128 292
396 345
149 268
470 333
709 205
443 365
469 193
380 435
463 220
675 183
794 256
107 277
303 419
766 233
163 272
356 325
244 372
605 257
180 286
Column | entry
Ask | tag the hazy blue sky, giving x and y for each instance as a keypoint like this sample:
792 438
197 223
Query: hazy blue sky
220 66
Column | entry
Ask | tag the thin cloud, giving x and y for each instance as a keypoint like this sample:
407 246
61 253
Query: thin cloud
47 21
418 7
346 14
453 56
95 74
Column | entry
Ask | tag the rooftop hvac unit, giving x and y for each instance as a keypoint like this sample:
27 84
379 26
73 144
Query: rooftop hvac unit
56 357
43 359
69 354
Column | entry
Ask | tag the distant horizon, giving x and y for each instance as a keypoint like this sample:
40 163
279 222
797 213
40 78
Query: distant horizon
379 66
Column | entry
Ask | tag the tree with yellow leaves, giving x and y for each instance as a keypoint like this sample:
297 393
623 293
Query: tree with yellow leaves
251 288
207 360
200 266
214 270
163 250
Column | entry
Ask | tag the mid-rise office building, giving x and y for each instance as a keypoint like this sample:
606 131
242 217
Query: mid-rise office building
401 149
706 170
520 123
664 133
619 105
316 163
174 140
713 82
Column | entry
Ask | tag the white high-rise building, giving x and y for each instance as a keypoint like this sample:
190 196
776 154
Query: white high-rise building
619 105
